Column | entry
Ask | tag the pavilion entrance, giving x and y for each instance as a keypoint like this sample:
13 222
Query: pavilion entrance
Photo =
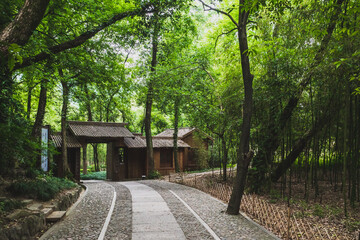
80 134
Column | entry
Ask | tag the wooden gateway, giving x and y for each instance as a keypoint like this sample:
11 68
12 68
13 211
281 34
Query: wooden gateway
126 152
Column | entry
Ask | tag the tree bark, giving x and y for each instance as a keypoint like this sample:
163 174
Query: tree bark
244 154
41 109
28 108
96 157
88 103
89 113
149 100
22 27
64 110
176 128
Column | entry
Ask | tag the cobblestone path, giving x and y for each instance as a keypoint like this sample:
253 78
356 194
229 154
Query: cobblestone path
111 210
87 219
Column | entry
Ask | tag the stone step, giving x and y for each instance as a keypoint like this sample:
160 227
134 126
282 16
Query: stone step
27 201
47 211
56 216
52 206
35 206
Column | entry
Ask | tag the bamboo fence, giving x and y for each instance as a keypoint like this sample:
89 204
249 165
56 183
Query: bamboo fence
278 220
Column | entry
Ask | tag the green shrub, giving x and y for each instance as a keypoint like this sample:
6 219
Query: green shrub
8 205
319 211
94 176
154 175
352 224
43 188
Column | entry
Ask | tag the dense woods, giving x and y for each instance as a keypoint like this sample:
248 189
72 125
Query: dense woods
275 83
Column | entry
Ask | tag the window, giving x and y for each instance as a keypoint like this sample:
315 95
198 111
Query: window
166 157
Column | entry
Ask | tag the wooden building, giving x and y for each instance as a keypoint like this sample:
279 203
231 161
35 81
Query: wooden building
163 155
126 152
195 138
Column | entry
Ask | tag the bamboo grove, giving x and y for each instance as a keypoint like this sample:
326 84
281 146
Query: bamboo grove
275 82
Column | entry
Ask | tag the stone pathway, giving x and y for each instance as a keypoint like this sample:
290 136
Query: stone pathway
151 216
151 210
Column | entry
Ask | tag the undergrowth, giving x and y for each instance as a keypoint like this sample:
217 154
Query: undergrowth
43 188
7 205
94 176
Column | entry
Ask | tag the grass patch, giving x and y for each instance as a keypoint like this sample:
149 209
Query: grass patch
94 176
42 188
8 205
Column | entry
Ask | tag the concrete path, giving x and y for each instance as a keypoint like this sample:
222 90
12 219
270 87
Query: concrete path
151 216
151 210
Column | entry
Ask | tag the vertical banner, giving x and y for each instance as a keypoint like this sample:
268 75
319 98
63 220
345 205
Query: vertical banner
44 148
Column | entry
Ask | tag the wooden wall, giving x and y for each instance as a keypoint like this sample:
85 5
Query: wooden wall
168 170
136 162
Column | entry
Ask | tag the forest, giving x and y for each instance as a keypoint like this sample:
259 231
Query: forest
276 83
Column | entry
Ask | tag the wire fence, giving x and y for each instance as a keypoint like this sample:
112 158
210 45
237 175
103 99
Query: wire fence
277 219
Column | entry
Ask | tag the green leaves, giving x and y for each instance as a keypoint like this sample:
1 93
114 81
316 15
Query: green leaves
14 56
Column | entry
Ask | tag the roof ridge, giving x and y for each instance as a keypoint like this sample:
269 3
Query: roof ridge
97 123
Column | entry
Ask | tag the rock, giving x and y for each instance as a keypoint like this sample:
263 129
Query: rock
52 206
27 201
56 216
35 207
47 211
18 213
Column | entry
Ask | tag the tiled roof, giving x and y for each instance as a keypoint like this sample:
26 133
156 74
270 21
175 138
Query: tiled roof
182 132
136 142
99 129
140 142
167 143
71 141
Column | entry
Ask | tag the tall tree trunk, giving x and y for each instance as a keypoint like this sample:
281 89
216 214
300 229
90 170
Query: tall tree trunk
28 108
149 100
96 157
41 109
65 87
88 103
244 155
94 145
176 128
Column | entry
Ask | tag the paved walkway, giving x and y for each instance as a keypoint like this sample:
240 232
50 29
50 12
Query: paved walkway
151 216
151 210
